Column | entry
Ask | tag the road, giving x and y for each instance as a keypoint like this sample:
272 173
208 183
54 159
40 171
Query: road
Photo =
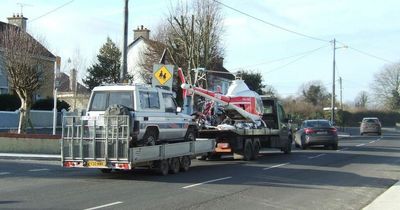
349 178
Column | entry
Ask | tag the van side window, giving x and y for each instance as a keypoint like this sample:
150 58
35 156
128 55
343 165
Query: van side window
149 100
170 105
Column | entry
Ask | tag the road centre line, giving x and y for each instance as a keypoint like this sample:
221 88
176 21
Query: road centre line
276 166
105 205
39 169
320 155
206 182
359 145
372 142
4 173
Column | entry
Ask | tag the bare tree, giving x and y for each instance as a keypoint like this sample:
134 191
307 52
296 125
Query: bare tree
193 34
361 100
386 87
25 61
314 92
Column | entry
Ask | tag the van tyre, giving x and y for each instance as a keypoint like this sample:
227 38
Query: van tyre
190 135
174 165
248 150
150 138
185 163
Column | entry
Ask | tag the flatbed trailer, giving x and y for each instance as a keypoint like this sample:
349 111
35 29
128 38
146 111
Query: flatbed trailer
103 143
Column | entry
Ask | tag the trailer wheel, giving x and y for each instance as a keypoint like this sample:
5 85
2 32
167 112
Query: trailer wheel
256 150
162 167
185 163
288 148
248 150
174 165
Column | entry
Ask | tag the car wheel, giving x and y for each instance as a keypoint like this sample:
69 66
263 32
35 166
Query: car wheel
379 134
150 139
335 146
361 134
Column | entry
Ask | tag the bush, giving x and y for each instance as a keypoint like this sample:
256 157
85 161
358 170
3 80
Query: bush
47 104
9 102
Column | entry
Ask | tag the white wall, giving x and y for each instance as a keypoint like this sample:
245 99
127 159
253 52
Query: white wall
134 59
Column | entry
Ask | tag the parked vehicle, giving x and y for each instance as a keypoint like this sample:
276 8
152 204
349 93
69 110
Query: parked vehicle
316 132
370 125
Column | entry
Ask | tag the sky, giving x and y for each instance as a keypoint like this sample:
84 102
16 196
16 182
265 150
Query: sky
285 59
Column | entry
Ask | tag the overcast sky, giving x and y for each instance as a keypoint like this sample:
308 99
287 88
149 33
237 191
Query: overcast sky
371 26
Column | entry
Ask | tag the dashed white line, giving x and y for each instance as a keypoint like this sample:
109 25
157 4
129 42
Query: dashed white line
4 173
105 205
206 182
359 145
276 166
320 155
39 169
372 142
343 149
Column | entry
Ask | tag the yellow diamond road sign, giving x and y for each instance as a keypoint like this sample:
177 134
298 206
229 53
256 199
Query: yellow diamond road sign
162 75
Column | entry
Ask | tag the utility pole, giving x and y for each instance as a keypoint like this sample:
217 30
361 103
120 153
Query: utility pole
333 84
124 47
341 90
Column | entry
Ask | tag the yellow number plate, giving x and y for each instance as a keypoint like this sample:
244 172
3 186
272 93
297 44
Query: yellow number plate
96 163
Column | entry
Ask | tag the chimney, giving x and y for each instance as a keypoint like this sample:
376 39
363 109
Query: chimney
72 80
18 20
141 32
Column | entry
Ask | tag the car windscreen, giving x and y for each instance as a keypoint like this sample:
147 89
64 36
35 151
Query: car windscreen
101 100
370 121
318 124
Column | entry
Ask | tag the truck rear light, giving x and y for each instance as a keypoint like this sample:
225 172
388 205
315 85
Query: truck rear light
223 145
309 131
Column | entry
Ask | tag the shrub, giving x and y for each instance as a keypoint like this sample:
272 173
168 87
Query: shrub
47 104
9 102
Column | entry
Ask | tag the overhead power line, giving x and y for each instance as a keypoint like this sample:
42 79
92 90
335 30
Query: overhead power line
51 11
280 59
272 24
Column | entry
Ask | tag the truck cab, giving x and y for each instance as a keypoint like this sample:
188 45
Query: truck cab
154 115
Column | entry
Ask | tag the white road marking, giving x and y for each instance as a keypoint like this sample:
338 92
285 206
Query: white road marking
379 139
39 169
372 142
105 205
320 155
276 166
342 149
359 145
206 182
4 173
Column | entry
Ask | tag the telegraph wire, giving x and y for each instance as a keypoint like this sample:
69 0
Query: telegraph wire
299 33
280 59
53 10
272 24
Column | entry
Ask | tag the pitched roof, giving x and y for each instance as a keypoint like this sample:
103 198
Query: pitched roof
63 81
44 50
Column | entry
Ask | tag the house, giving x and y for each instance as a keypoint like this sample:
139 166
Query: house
72 91
46 57
219 76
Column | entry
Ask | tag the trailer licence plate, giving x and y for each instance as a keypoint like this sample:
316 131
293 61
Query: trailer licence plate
92 163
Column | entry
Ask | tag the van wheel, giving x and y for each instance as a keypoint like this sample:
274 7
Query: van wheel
150 139
190 135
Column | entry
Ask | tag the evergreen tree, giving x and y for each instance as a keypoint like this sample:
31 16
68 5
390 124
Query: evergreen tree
107 67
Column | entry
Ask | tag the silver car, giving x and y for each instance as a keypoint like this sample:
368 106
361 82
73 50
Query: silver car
370 125
316 132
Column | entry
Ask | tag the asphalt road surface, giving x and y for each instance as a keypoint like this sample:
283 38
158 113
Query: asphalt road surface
348 178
